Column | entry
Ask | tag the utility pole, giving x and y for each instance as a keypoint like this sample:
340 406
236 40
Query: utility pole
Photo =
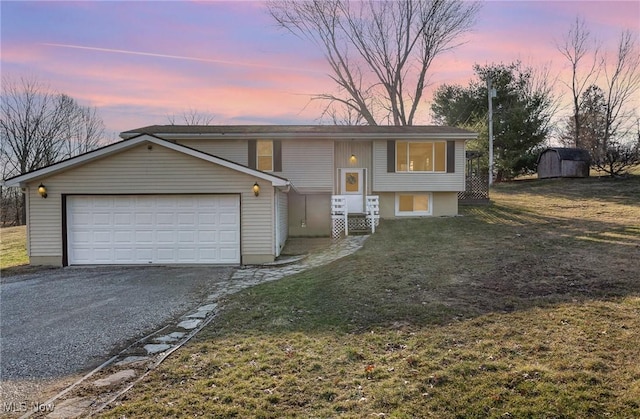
491 93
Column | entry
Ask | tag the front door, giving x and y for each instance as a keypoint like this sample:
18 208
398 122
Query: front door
352 185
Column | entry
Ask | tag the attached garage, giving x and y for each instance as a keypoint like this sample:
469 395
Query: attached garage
145 201
142 229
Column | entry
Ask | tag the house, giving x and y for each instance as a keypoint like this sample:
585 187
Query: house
563 162
171 194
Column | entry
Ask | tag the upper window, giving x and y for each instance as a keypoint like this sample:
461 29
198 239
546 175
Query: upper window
264 149
421 156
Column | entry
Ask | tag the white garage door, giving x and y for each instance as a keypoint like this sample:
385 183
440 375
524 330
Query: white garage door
164 229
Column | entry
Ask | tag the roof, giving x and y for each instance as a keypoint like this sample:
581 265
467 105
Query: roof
301 131
132 142
566 153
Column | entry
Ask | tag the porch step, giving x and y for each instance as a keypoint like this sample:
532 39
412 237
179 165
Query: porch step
358 223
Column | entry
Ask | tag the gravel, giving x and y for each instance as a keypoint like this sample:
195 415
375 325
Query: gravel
65 321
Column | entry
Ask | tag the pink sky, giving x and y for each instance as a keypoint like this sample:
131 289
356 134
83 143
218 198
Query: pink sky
139 62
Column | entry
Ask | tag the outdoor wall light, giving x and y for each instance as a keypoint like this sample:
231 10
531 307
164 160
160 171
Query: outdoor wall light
42 190
256 189
353 158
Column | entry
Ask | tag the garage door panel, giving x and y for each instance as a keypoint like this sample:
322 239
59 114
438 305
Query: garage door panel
102 237
82 218
227 219
165 219
228 236
101 219
123 238
207 237
144 237
186 237
123 255
123 219
165 237
81 237
143 254
207 219
186 219
227 255
103 254
153 229
144 218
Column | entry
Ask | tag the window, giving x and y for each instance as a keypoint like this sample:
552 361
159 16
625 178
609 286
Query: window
413 204
424 156
264 149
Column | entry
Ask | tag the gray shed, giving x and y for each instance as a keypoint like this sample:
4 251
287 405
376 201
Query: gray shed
563 162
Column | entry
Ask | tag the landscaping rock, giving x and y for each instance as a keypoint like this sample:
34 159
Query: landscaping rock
116 378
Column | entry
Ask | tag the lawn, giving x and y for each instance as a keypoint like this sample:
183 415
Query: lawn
529 307
13 250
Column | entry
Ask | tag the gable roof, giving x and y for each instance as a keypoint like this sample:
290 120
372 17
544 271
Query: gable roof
301 131
123 145
568 153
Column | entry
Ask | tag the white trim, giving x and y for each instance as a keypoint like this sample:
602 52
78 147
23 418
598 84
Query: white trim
258 155
126 144
355 200
324 136
120 243
433 154
429 210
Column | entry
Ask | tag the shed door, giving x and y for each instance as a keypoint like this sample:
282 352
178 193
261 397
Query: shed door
146 229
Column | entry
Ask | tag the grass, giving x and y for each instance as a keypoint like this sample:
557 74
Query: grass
529 307
13 249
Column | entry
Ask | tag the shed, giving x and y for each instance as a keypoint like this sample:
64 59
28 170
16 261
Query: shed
563 162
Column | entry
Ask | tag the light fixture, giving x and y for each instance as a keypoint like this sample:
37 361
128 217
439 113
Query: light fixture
256 189
42 190
353 158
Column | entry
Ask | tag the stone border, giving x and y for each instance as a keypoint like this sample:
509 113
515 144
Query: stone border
101 387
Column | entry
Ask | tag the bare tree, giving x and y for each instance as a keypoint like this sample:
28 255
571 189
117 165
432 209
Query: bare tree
618 158
39 126
623 84
342 116
191 117
379 52
83 130
579 48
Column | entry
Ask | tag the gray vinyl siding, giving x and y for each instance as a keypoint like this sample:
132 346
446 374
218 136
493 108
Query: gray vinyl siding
283 220
308 165
234 150
150 171
408 182
363 151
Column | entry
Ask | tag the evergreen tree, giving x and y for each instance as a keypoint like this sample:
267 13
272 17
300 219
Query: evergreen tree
522 108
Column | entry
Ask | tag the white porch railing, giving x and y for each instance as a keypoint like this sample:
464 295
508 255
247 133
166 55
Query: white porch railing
373 212
340 215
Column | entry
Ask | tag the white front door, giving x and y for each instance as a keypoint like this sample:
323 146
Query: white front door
352 187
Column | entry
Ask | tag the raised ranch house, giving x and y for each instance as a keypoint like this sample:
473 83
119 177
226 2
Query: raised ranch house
233 194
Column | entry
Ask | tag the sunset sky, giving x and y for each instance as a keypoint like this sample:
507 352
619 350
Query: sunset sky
140 61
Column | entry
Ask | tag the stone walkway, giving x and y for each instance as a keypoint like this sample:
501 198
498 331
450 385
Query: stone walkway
253 275
103 386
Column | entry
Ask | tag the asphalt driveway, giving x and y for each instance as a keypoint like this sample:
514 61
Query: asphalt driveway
63 321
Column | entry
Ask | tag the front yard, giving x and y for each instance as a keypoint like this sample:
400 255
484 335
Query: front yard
13 250
529 307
